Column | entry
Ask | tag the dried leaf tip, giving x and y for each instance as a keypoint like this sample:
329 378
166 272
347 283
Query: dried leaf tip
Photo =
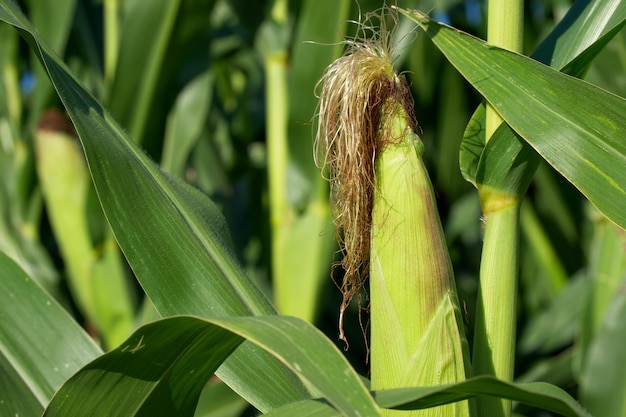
357 93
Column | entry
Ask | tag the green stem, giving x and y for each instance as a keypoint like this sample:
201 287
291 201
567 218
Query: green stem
280 212
494 340
111 39
277 151
277 159
505 29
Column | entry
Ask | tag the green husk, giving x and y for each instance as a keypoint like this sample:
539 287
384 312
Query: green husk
417 334
385 210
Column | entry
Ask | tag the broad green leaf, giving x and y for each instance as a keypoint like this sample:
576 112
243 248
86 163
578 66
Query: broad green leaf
570 47
537 394
174 237
41 346
161 369
574 126
603 380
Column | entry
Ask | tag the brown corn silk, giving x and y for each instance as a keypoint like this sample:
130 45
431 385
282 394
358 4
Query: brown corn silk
354 93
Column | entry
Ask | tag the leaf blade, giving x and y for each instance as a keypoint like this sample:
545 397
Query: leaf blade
573 125
174 237
31 371
162 368
539 394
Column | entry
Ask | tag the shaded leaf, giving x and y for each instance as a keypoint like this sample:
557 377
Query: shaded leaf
185 123
54 22
218 400
162 368
603 380
149 56
40 344
557 325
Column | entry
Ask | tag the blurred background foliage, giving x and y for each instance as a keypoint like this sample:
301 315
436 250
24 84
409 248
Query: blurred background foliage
222 93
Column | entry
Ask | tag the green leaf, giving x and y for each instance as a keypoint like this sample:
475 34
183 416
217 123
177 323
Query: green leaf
537 394
218 400
161 369
174 237
185 123
581 35
473 144
40 344
603 380
574 126
602 334
321 24
506 163
309 408
570 47
54 22
556 326
93 275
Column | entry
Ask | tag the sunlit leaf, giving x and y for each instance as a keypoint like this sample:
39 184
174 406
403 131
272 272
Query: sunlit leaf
573 125
570 47
537 394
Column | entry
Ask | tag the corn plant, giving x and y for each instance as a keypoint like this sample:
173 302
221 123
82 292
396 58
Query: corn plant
203 319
